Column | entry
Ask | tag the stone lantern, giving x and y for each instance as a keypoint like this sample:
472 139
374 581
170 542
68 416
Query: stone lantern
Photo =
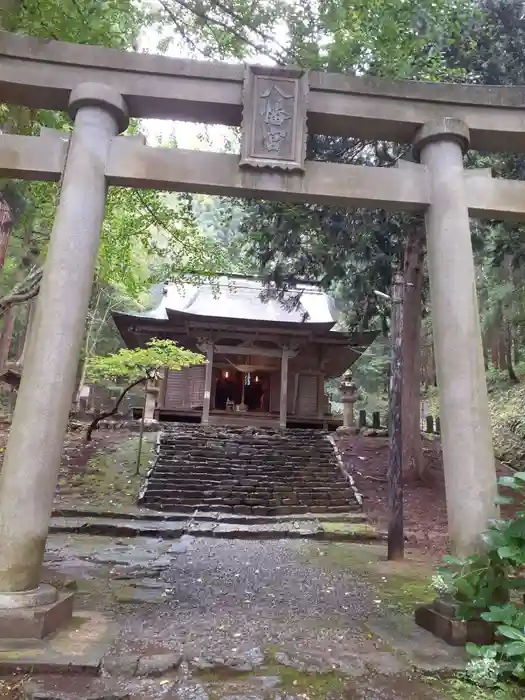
151 399
349 396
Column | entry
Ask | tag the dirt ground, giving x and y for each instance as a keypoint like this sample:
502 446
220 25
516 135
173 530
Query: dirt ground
424 503
101 474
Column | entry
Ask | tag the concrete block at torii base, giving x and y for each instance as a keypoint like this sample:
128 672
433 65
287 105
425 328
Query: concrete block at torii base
434 619
37 622
77 648
347 430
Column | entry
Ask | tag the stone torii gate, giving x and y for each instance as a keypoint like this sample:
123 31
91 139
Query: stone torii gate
102 88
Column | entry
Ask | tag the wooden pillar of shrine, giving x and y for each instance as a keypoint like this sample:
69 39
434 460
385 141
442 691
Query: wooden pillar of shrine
207 384
283 403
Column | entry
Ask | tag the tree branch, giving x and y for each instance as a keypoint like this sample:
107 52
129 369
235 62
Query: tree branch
106 414
23 291
244 39
237 18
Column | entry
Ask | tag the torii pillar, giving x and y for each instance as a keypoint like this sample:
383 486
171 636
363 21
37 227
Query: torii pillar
32 459
468 455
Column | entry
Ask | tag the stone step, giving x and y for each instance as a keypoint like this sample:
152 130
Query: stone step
231 493
299 451
263 480
270 485
247 510
214 467
240 459
211 472
246 471
249 484
225 463
253 449
216 504
257 456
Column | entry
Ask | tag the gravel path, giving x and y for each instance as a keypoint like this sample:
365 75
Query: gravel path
229 594
252 620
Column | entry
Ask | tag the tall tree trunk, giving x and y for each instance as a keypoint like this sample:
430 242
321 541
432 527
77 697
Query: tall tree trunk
5 230
516 354
89 346
485 342
396 539
507 324
6 336
413 462
427 358
494 352
510 366
27 332
80 384
502 339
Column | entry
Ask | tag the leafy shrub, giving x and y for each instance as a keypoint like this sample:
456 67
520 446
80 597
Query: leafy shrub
489 585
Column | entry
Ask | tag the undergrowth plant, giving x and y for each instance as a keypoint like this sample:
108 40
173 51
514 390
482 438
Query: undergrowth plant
489 585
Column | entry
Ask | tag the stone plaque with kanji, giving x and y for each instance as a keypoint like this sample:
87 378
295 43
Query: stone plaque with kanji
274 118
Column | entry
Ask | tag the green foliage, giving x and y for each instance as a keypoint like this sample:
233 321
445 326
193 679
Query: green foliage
403 39
460 688
400 39
490 585
145 363
149 237
113 23
351 253
220 218
507 409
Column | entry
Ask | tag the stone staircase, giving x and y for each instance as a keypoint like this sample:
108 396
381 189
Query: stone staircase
248 471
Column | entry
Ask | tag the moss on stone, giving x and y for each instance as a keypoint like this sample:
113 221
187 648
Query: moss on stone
349 528
400 585
220 674
109 481
460 689
315 686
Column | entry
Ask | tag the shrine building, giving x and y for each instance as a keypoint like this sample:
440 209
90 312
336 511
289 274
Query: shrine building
268 358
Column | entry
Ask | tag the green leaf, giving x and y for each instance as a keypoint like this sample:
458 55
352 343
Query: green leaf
504 500
516 528
475 649
511 633
493 538
454 561
465 587
514 649
509 552
516 584
498 614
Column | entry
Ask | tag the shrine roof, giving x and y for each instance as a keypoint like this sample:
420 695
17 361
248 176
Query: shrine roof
243 298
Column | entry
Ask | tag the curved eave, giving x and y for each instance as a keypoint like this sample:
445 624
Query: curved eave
215 321
125 322
354 343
